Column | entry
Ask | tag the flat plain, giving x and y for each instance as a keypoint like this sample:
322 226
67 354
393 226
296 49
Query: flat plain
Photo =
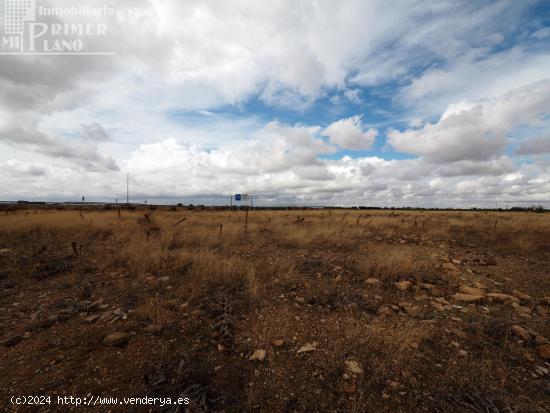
277 311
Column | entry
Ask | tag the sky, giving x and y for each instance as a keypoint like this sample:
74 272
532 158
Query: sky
355 102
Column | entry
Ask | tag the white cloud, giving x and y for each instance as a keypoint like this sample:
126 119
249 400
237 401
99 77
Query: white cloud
475 130
472 77
351 134
157 107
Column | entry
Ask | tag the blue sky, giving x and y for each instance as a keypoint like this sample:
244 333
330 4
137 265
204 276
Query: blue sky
357 102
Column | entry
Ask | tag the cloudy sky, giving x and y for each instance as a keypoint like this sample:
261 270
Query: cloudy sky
353 102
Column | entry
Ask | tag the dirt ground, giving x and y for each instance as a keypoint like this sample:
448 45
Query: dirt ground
280 311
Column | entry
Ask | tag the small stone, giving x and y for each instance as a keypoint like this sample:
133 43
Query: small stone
470 290
353 367
450 266
521 295
278 342
154 329
521 332
91 318
258 355
544 351
339 278
456 261
462 353
467 298
403 285
12 341
164 279
299 300
4 251
439 307
502 298
196 313
372 281
521 310
306 348
118 338
221 348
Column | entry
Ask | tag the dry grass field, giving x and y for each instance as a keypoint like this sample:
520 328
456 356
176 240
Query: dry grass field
317 310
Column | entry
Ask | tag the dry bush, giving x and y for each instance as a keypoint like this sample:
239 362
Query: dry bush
525 244
155 311
211 271
388 263
395 341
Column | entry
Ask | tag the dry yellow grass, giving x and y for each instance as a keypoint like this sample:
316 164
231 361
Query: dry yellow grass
388 263
297 276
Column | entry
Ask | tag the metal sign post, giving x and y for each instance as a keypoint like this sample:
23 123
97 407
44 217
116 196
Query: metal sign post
243 198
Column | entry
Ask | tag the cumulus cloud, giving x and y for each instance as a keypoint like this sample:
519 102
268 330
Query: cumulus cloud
475 130
351 134
23 132
18 169
500 166
455 137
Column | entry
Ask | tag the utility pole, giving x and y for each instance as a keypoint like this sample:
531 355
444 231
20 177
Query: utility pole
128 188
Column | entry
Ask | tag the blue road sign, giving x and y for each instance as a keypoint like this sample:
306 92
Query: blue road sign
237 197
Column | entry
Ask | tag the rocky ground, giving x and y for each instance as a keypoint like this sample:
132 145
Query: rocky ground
309 311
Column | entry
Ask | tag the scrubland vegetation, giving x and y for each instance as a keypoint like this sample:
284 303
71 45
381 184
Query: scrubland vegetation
328 310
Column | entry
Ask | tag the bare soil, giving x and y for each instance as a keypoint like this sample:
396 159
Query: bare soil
361 311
